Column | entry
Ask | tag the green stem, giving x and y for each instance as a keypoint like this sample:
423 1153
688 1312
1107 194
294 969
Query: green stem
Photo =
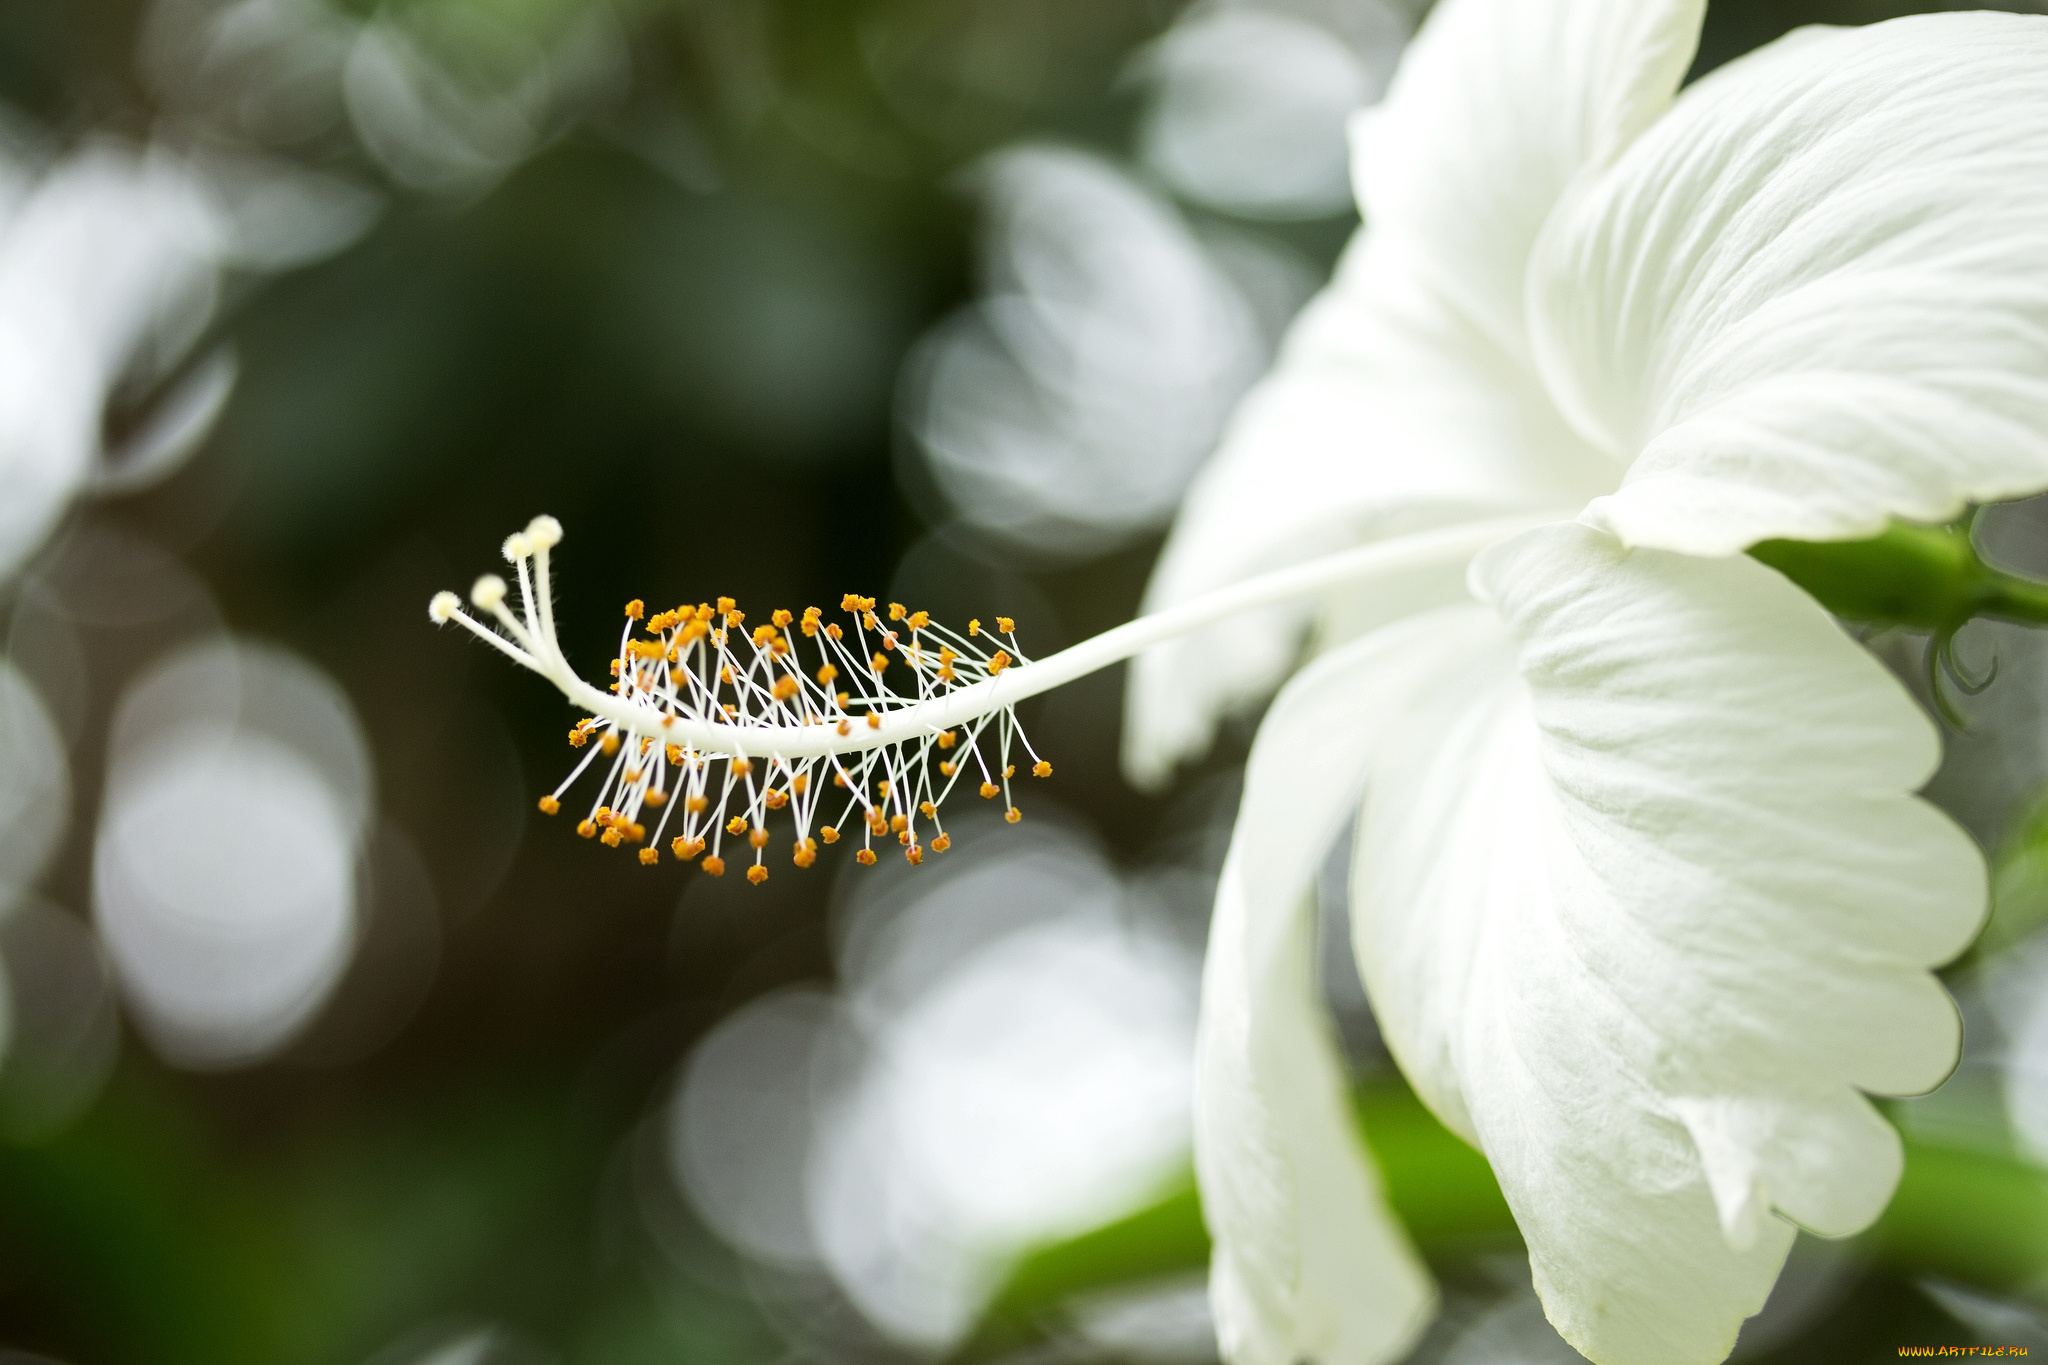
1928 577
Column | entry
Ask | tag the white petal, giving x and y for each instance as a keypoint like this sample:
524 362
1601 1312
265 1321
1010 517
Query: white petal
1497 107
1309 1264
108 266
1643 906
1812 297
1404 397
1388 412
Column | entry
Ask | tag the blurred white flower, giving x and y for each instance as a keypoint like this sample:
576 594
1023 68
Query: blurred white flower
261 72
449 98
1642 893
110 266
1067 409
225 864
1248 105
446 98
1007 1062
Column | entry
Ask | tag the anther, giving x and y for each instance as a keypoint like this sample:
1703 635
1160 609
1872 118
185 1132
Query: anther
829 834
942 843
866 857
1013 815
1041 769
736 825
549 806
714 865
635 609
757 874
913 855
1005 624
649 857
988 789
586 828
759 838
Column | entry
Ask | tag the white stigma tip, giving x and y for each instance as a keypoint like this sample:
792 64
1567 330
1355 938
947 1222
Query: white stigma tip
517 547
544 532
444 605
488 593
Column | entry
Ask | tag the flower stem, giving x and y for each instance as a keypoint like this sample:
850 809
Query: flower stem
1927 577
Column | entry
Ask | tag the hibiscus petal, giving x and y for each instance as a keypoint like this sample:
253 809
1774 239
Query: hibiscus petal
1643 910
1388 412
1812 297
1498 106
1404 397
1309 1264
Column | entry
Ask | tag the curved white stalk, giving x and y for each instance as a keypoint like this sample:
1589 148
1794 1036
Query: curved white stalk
1446 545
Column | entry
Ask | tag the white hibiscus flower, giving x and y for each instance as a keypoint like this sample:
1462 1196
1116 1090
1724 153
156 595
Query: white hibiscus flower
1644 897
1641 890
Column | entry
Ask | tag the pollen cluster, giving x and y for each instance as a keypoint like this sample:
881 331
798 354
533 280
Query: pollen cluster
658 790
